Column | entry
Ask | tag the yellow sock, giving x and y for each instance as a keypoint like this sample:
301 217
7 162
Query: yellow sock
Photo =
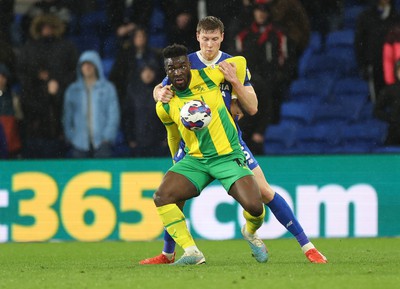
174 221
253 223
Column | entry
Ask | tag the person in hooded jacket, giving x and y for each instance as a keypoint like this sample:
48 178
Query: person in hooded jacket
91 115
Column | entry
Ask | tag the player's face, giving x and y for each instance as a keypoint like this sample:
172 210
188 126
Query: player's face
210 43
178 71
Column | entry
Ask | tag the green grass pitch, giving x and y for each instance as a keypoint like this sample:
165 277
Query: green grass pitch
353 263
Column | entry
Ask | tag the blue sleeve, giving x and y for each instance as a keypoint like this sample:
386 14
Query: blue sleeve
165 81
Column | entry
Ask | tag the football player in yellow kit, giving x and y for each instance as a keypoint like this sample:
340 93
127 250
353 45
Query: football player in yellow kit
211 153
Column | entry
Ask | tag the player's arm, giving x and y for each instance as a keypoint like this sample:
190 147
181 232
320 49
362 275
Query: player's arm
173 138
234 70
162 93
235 109
173 135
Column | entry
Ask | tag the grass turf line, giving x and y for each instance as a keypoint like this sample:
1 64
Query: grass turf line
368 263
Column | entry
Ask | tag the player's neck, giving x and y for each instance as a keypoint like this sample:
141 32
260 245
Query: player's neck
207 61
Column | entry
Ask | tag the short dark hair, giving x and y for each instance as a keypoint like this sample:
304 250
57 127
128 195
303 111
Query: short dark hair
174 50
210 23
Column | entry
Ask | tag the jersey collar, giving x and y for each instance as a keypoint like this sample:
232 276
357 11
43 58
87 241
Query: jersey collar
207 62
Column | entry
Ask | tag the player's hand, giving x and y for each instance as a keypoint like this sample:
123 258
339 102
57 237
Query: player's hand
164 94
236 111
229 71
257 138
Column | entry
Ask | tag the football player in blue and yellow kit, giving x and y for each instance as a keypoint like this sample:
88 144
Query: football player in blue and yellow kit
211 153
210 33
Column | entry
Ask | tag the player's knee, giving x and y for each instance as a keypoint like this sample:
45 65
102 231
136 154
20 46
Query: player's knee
267 194
162 198
254 208
258 210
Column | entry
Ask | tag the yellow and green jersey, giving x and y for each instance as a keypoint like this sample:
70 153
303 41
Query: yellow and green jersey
220 137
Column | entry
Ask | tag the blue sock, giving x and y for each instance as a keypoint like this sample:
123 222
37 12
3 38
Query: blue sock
169 243
284 214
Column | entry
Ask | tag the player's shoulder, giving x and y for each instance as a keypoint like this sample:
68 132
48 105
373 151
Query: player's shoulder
224 56
240 61
195 60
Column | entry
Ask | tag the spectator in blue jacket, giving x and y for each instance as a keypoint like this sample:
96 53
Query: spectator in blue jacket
91 110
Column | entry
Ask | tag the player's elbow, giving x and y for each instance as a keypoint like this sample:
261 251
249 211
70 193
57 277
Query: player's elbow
252 110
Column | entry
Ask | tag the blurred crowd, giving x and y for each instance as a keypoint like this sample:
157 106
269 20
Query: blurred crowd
57 98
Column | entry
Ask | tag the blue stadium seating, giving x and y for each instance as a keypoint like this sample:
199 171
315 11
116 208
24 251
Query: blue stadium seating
367 111
321 63
350 15
300 112
364 136
319 138
346 57
311 89
107 65
86 42
340 38
280 137
387 149
341 112
351 85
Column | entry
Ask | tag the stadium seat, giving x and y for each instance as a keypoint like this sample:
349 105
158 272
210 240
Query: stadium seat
300 112
107 65
92 22
367 111
346 56
351 85
157 34
331 112
322 64
86 42
354 104
310 89
318 138
361 147
315 43
340 38
121 148
280 137
109 47
365 136
387 149
350 15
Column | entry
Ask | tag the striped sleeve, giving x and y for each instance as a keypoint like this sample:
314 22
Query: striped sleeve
173 135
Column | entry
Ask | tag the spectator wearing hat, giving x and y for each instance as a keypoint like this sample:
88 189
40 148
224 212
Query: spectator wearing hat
46 65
